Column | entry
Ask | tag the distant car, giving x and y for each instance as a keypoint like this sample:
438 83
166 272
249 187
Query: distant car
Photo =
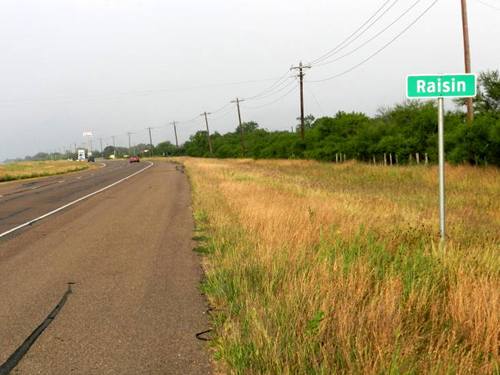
91 159
134 159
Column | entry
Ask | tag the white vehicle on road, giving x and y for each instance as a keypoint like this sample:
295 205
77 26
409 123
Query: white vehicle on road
81 155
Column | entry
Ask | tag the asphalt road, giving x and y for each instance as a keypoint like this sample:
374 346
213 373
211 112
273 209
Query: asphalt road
135 306
21 201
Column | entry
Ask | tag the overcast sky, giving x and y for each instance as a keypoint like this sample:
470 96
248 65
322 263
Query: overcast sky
114 66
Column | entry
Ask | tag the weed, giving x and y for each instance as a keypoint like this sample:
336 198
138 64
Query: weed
318 268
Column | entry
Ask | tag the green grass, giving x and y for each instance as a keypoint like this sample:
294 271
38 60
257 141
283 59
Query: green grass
316 268
24 170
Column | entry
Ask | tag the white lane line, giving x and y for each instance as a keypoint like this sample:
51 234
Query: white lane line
60 181
35 187
74 202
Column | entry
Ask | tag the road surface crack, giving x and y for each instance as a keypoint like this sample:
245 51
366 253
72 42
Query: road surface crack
21 351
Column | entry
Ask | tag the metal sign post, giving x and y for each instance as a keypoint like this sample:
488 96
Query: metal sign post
442 218
440 86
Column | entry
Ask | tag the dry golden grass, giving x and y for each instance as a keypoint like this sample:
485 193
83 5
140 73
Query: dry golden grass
323 268
23 170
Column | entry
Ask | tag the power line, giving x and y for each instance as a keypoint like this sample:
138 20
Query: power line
488 5
380 49
362 32
223 114
145 92
372 38
310 91
274 92
334 49
278 82
221 108
274 101
188 121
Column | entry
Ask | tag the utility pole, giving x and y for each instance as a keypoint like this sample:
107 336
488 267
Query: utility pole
237 101
114 146
175 133
150 141
208 130
301 68
465 27
129 147
100 141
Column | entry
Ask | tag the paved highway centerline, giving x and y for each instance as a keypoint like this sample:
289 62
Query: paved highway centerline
73 202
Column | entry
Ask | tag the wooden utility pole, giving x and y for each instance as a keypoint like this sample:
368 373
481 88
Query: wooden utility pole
150 141
208 130
301 68
465 27
114 146
175 133
129 147
237 101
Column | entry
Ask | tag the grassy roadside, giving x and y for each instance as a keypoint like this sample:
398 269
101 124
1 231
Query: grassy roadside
320 268
23 170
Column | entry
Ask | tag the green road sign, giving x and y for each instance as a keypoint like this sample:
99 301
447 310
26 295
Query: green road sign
441 85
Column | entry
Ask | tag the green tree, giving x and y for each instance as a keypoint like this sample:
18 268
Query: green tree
166 148
248 127
487 99
197 145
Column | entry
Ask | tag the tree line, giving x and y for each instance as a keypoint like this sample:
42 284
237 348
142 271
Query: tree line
404 133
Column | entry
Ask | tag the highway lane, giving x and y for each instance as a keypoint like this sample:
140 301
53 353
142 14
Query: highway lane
135 306
22 201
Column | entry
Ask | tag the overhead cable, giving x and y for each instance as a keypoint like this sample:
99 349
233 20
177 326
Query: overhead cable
380 49
346 40
373 37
